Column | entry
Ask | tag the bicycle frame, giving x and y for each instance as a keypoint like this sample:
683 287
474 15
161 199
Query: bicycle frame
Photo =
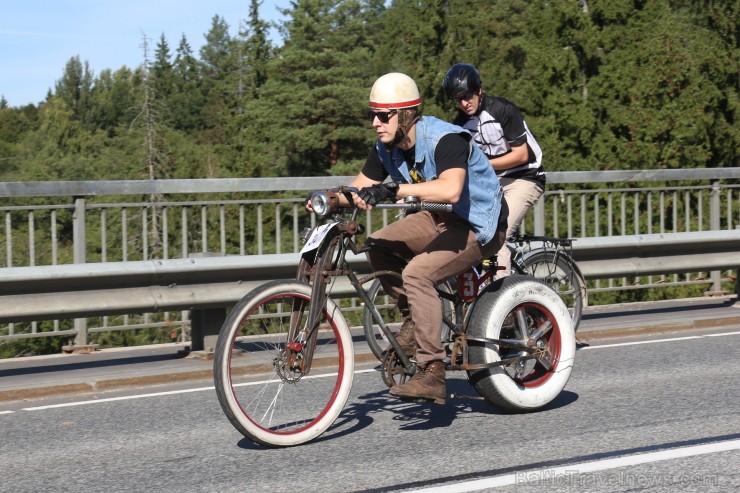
330 262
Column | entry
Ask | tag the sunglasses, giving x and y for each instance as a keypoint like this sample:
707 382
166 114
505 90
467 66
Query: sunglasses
383 116
465 97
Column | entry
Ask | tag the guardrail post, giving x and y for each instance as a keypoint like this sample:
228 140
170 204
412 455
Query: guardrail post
79 252
539 216
205 323
204 328
714 225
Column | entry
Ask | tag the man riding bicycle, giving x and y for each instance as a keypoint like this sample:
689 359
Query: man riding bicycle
434 161
500 131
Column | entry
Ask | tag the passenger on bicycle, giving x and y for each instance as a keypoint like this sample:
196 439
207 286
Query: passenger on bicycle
434 161
501 133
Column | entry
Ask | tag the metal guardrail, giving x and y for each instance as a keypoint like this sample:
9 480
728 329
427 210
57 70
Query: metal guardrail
207 285
642 255
97 222
71 291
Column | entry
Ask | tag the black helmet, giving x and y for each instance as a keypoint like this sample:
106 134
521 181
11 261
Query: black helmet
460 79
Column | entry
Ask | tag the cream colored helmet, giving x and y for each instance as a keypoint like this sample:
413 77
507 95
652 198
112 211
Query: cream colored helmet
394 91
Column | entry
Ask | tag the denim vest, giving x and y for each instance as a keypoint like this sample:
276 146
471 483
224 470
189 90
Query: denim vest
480 201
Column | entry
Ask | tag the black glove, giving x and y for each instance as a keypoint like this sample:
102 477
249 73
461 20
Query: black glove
378 193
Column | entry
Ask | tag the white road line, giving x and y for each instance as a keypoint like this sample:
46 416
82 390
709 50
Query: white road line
131 397
560 475
111 399
7 412
603 346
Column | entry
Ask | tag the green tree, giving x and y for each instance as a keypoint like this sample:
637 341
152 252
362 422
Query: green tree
187 102
15 126
662 89
318 84
75 89
253 52
219 74
113 100
255 49
603 84
413 40
162 71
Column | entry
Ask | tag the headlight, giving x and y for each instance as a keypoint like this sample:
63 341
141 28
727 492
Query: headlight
320 204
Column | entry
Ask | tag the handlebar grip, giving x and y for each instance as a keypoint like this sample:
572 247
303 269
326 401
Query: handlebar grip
412 204
436 207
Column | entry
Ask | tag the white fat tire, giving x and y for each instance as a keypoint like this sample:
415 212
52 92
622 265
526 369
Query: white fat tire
487 320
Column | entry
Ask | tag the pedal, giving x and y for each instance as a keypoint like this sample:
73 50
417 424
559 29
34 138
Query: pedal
421 400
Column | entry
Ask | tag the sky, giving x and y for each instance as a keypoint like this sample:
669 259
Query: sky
38 37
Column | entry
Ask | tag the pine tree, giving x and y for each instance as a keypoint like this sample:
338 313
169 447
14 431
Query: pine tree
662 88
162 71
219 71
254 51
75 88
113 100
317 88
187 102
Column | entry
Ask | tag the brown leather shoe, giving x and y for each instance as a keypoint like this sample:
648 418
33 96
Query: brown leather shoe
428 383
406 338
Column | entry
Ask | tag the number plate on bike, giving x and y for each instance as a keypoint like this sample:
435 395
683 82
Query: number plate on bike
317 236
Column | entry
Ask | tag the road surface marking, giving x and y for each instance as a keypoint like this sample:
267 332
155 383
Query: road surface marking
602 346
564 475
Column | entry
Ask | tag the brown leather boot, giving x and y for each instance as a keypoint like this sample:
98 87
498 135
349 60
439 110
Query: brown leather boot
406 338
428 383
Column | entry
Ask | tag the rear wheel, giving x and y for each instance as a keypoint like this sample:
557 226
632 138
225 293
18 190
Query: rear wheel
558 272
522 312
279 382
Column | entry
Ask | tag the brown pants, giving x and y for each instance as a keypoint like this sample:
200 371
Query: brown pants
520 196
426 248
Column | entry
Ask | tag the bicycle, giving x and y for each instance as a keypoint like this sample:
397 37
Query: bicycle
284 360
551 263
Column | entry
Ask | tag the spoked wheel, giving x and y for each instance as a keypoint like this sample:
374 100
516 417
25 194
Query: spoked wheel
537 344
386 305
561 275
272 387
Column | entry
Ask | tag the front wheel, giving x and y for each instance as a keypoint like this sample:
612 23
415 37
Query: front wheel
531 360
280 382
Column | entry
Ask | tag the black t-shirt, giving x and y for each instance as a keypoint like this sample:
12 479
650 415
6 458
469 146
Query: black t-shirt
451 152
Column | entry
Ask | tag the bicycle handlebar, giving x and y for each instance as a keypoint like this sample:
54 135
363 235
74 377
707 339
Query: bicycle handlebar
414 204
325 202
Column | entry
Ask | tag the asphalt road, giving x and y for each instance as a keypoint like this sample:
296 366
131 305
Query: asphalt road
646 413
108 369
